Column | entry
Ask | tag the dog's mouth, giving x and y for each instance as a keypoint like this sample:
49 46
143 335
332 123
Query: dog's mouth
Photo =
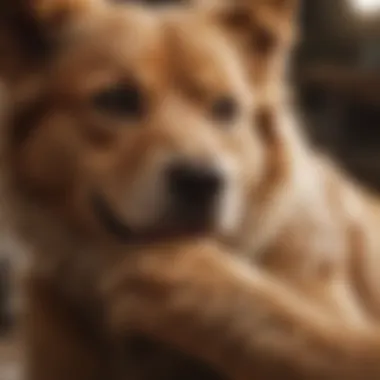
171 226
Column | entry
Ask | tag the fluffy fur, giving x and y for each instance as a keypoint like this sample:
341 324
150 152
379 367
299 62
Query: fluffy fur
85 172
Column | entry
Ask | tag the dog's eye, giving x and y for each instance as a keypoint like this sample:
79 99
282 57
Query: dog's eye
122 100
225 109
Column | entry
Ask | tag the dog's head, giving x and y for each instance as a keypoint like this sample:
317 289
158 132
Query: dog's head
136 122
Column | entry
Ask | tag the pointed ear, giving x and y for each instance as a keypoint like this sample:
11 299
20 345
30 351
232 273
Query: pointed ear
261 24
30 30
264 29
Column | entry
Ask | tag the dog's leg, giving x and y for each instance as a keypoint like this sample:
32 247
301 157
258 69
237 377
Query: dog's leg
245 323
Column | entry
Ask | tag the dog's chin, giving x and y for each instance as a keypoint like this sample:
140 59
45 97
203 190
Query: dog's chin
172 226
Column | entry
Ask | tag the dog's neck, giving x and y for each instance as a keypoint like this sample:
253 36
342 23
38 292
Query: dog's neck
314 218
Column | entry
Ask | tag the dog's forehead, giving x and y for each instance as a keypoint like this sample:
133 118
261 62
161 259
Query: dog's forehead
110 45
119 37
152 46
202 53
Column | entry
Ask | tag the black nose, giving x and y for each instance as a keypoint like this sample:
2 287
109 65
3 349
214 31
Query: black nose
194 185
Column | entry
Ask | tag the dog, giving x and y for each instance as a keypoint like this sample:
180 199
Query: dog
106 147
130 129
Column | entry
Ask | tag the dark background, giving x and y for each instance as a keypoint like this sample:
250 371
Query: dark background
337 76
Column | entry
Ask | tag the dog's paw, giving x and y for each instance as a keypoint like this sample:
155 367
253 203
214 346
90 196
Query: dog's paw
156 287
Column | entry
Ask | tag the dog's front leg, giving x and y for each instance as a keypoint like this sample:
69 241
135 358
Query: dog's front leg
246 324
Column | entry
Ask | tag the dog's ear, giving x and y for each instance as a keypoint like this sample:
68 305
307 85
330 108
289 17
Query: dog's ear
264 29
248 17
263 23
30 30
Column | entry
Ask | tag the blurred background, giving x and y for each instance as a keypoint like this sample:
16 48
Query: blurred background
336 75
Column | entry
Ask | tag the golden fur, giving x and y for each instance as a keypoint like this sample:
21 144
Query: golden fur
86 186
244 321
